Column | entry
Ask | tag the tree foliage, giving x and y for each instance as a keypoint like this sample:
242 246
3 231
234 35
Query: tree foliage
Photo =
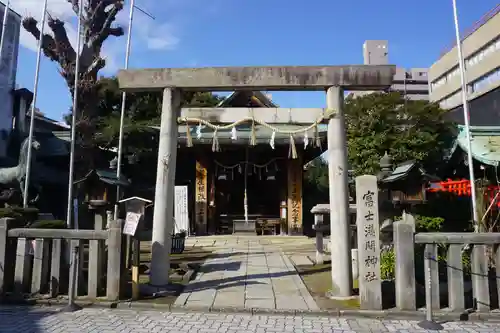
97 21
386 122
142 111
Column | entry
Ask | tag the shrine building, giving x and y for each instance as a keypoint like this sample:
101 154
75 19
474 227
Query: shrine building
247 179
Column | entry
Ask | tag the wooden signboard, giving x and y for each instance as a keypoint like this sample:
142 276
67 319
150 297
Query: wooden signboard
201 193
131 223
294 209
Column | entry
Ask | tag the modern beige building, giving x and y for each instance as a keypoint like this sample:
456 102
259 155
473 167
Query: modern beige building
412 83
481 51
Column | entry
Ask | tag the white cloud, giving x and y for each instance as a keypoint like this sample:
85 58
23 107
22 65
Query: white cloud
162 38
151 34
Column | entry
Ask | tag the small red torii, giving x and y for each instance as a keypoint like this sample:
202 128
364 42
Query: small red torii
463 188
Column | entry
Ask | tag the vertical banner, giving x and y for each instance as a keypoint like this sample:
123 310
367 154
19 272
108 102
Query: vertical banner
181 209
201 199
367 220
294 210
8 69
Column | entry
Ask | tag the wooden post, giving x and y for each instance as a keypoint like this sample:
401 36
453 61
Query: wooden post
201 196
136 256
404 250
339 195
163 223
294 196
370 284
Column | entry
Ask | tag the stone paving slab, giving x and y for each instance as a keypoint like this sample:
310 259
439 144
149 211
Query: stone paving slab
44 320
247 275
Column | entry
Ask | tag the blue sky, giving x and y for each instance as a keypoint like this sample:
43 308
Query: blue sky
190 33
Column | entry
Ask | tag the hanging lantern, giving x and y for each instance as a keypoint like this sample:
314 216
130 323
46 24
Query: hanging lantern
306 140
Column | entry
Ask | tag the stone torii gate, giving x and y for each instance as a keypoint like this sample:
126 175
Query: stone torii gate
332 79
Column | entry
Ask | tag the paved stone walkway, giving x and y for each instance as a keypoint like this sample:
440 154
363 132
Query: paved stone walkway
248 273
44 320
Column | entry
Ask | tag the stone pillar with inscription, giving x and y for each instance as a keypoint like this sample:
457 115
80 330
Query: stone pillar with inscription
370 284
201 197
294 202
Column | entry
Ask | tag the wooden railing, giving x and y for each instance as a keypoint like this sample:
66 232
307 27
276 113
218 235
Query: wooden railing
35 261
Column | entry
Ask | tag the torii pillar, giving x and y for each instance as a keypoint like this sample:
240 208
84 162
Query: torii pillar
333 79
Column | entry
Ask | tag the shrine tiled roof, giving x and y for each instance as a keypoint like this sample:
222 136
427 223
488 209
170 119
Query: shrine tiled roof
485 143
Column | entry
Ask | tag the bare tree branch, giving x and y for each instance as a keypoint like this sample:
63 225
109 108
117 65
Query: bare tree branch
48 43
63 46
74 4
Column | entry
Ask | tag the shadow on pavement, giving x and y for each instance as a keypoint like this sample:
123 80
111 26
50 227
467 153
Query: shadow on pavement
26 319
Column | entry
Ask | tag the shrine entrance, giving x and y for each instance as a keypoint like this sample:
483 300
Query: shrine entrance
332 79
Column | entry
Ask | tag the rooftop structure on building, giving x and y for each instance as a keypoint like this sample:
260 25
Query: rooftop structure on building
412 82
480 48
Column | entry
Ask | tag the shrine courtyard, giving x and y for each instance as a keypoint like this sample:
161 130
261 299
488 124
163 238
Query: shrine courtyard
245 273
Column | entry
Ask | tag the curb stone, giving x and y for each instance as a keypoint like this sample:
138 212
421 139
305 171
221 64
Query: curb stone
380 315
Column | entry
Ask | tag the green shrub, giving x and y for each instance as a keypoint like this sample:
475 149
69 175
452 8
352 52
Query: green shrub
22 216
48 224
387 264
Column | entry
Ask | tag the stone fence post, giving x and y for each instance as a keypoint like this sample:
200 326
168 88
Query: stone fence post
114 260
318 227
404 250
4 223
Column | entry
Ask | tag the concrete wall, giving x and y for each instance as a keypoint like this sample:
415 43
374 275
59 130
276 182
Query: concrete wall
376 52
411 82
481 51
8 69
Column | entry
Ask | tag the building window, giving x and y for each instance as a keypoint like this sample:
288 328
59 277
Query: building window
472 60
487 80
483 53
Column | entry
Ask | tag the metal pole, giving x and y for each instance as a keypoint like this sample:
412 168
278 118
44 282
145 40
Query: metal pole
4 28
428 323
73 117
33 107
463 79
72 306
122 112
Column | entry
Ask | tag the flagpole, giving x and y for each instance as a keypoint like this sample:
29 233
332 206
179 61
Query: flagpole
73 118
122 111
4 28
33 106
463 79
